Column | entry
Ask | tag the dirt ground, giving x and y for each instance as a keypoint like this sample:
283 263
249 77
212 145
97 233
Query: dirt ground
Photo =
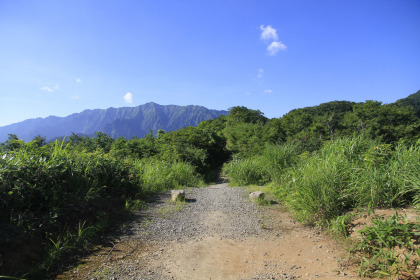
288 250
298 252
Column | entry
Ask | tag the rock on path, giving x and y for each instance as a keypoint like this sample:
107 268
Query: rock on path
217 210
216 234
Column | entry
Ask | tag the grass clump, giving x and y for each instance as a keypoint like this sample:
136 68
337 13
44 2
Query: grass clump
347 174
263 169
157 176
57 199
326 186
389 248
248 171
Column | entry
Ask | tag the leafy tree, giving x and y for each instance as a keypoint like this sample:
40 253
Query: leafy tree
103 141
240 114
13 143
387 122
160 133
39 140
413 101
275 131
296 121
246 139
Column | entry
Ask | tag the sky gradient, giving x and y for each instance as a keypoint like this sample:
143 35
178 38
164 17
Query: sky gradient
62 57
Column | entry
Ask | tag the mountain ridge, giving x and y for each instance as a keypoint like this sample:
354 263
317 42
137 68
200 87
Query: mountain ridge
124 121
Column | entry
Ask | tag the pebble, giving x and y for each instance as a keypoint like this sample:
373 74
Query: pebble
238 217
212 211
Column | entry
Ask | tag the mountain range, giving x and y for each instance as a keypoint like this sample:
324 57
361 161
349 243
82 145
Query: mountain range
127 122
131 122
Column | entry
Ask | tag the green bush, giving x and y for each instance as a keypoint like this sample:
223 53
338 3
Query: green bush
248 171
58 197
390 179
349 173
388 248
316 190
156 176
277 158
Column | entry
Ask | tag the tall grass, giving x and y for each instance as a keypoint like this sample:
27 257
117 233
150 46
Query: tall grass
350 173
247 171
262 169
344 174
156 176
277 158
47 194
406 166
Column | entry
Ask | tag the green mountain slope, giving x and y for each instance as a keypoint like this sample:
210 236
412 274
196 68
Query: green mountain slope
127 121
412 100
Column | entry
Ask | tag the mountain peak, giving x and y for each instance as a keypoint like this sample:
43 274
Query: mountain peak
117 122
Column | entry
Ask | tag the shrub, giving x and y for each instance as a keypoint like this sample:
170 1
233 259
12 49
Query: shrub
377 248
157 176
242 172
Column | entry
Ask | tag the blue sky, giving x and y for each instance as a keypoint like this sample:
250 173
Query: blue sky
62 57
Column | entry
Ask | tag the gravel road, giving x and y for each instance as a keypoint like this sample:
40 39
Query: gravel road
217 210
216 234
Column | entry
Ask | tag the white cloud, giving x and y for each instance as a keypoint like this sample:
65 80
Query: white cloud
128 97
50 88
247 93
46 89
275 47
268 33
78 80
260 74
76 96
268 91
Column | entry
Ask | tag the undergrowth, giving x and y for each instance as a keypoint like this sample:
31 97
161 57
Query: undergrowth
389 248
326 186
57 199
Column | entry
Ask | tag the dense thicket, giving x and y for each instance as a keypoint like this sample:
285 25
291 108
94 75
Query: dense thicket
321 161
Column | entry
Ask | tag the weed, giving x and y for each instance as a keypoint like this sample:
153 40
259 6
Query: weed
263 222
174 206
135 204
389 247
341 225
242 172
106 272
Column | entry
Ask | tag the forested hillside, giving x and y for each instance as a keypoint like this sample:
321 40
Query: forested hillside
321 162
412 100
125 122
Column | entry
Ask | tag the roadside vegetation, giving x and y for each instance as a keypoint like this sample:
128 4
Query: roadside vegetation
330 169
325 163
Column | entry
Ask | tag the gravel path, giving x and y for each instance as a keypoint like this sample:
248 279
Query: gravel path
216 234
217 210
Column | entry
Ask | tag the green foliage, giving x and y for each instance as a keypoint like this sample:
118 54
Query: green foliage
245 139
245 132
377 248
349 173
240 114
247 171
377 155
321 161
60 195
13 143
316 187
262 169
412 101
341 225
157 176
391 181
